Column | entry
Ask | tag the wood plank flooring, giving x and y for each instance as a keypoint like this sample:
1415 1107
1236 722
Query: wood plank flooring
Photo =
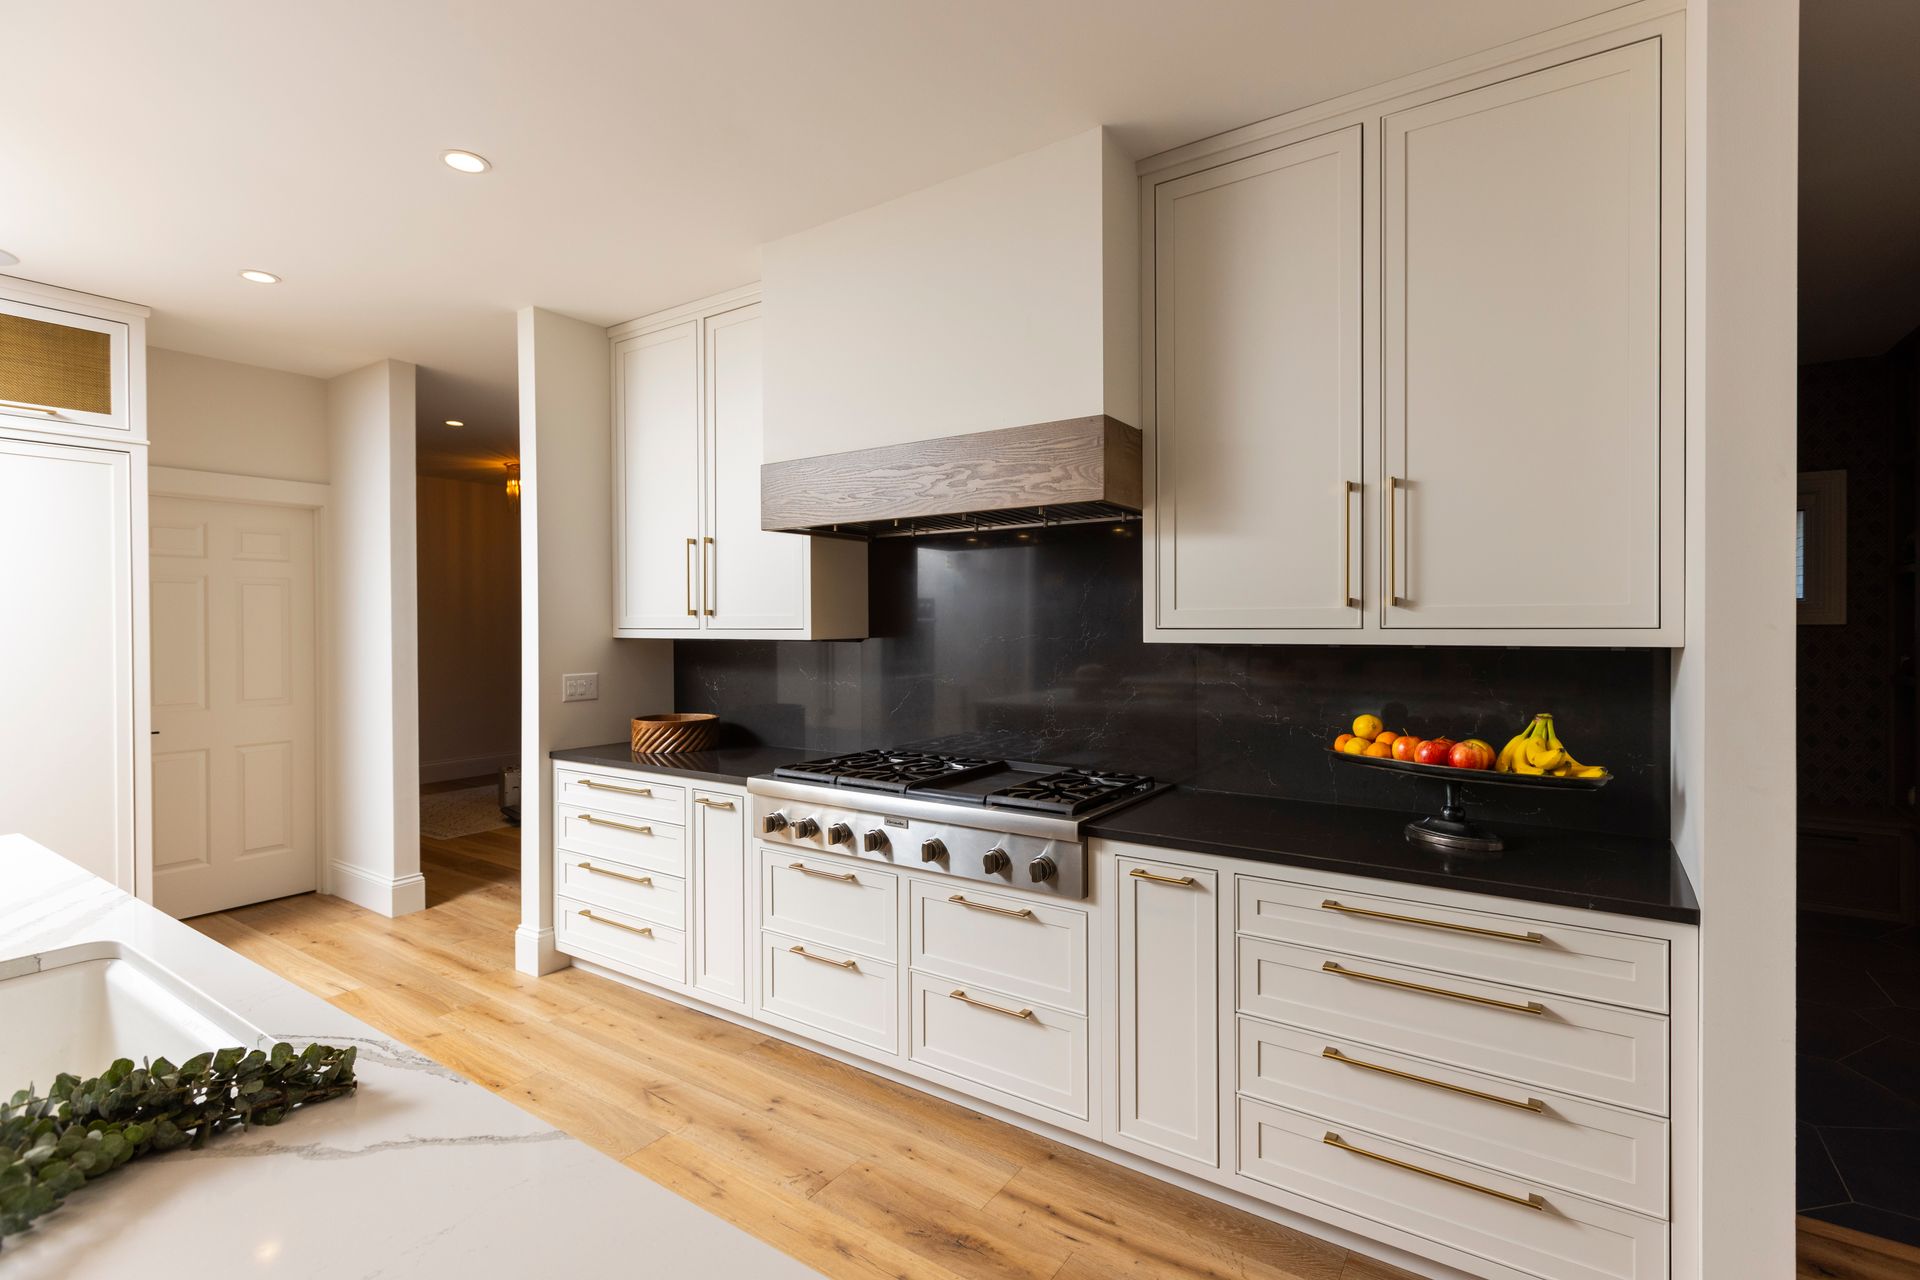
857 1176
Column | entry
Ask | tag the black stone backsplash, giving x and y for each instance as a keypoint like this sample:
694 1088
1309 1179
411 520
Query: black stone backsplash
1029 647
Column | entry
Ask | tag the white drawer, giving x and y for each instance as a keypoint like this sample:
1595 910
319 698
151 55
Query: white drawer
636 842
1592 1050
847 905
652 895
1616 968
1568 1143
632 795
1566 1238
1029 949
990 1038
627 941
849 998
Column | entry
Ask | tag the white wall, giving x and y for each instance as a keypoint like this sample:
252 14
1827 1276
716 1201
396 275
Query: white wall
372 771
1733 689
566 591
215 415
469 569
1000 298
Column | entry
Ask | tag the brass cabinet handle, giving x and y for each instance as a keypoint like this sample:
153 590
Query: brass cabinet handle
1332 905
617 875
964 998
1529 1201
1393 541
1346 543
30 408
1141 873
710 570
713 804
615 924
1024 913
693 545
1529 1007
846 877
618 826
609 786
1530 1104
805 954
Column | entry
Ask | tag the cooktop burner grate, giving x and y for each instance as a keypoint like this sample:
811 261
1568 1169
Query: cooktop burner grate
887 770
1069 791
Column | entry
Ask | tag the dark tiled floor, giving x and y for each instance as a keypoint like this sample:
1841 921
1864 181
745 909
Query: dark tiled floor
1859 1085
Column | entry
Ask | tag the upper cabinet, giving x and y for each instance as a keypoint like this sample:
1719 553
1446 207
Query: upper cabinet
690 558
1414 368
71 364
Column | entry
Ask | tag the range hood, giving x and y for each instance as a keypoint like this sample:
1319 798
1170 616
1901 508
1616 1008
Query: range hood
1069 472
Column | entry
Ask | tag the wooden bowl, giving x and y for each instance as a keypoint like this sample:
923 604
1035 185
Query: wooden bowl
672 732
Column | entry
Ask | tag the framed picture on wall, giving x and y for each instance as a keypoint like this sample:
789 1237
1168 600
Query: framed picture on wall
1820 549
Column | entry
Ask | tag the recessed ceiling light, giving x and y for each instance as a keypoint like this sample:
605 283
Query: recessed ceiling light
465 161
455 422
259 277
8 260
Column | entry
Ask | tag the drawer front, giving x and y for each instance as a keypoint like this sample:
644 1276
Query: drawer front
629 941
847 905
1040 1057
633 842
1558 1141
1567 1238
1591 1050
1031 950
653 896
848 997
1614 968
617 794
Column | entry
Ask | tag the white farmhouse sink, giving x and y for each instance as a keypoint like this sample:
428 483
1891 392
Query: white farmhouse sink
78 1008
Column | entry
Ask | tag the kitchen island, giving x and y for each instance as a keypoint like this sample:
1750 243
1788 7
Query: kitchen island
420 1173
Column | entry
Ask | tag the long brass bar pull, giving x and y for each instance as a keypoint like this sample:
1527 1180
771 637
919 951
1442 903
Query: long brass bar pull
693 545
846 877
30 408
1529 1201
710 574
1141 873
1530 1006
1024 913
713 804
618 826
615 924
611 786
805 954
964 998
1530 1104
1346 542
1331 905
617 875
1393 540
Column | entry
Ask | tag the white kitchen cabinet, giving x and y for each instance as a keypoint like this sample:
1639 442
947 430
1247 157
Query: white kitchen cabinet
691 559
718 935
71 364
1168 1090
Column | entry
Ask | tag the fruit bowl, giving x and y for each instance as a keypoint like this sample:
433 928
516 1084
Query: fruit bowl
1448 773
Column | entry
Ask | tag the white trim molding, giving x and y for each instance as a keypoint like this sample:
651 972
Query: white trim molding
182 482
388 895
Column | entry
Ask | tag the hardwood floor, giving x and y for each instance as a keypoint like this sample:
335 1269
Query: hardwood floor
856 1176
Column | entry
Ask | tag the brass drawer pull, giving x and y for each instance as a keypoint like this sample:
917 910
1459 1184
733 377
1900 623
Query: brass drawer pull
1530 1006
1531 1104
610 786
29 408
1346 543
1529 1201
1024 913
1393 541
713 804
617 826
845 877
617 875
964 998
1331 905
710 560
692 544
615 924
805 954
1141 873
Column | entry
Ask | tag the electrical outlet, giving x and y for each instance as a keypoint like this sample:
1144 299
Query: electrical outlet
580 687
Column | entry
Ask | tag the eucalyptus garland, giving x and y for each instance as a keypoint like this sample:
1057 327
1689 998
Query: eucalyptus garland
83 1128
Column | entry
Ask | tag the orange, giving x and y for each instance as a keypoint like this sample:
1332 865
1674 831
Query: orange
1355 746
1380 750
1367 727
1388 737
1340 743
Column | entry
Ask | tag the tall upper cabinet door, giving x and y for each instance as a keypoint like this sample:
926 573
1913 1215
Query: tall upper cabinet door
1526 416
1257 432
65 372
656 439
756 581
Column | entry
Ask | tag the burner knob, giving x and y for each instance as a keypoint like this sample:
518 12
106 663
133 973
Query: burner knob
874 841
840 833
1041 868
932 849
995 861
776 821
806 829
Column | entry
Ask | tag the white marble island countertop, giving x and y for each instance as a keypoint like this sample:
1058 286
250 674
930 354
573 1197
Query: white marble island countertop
418 1174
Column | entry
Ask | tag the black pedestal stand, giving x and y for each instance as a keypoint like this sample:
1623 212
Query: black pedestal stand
1451 830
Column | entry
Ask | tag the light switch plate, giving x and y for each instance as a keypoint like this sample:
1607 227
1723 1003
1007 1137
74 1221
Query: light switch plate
583 686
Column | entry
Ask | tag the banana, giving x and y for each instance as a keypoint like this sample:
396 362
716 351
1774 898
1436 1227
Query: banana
1524 756
1504 764
1537 751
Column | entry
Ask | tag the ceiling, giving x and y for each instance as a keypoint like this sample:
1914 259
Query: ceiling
642 149
1859 176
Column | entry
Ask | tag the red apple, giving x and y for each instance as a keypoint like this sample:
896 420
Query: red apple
1471 754
1433 751
1404 747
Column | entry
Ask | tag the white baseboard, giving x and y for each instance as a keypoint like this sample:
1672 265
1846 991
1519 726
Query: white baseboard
533 952
467 766
389 895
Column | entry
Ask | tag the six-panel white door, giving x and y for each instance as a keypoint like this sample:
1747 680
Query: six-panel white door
657 434
755 580
1257 382
233 703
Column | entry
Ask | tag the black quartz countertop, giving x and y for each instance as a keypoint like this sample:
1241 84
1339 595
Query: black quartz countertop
723 764
1623 874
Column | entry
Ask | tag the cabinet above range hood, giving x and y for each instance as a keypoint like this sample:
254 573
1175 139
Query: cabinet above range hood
1068 472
